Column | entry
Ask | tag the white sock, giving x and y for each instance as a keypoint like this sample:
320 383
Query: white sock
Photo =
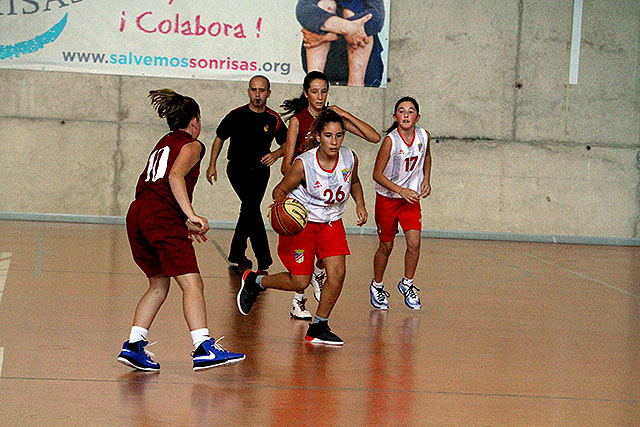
298 296
376 284
407 282
138 333
317 270
199 336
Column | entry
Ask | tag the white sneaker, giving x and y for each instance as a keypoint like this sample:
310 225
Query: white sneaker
411 298
299 311
317 281
378 297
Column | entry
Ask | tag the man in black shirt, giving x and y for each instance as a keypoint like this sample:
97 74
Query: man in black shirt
251 128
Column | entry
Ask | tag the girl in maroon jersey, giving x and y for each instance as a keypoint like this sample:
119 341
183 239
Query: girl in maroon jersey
161 225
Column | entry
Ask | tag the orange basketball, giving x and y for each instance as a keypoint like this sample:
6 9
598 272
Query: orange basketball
288 217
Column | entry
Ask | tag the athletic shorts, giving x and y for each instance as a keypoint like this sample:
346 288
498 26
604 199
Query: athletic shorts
390 211
159 241
321 240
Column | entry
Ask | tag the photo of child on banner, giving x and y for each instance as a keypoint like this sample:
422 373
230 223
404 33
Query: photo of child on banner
340 38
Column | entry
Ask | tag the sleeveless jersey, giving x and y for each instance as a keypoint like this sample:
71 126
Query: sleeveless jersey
406 161
153 184
305 119
325 192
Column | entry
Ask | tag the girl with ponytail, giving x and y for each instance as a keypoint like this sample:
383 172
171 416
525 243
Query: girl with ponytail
402 173
161 225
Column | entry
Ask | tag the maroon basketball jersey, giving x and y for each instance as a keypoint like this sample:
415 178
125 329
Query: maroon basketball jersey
153 184
305 119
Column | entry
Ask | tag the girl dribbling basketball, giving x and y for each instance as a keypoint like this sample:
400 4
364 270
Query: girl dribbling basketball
402 173
301 112
322 179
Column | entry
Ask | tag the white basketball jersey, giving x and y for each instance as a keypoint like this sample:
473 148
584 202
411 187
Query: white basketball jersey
325 192
406 161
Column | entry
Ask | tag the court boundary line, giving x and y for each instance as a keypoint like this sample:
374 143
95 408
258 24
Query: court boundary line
352 230
583 276
338 389
5 257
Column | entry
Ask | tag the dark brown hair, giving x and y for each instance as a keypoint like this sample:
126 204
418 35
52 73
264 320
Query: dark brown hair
293 106
325 117
177 109
400 101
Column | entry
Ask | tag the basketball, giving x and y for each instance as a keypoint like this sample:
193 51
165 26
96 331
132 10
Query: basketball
288 217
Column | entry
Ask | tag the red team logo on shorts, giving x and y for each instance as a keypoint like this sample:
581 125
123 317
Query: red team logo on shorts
298 256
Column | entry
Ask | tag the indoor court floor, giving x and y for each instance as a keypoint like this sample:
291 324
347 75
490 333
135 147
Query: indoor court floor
510 333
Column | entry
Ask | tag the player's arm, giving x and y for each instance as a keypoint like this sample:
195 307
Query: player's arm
357 126
216 147
378 173
425 188
291 180
358 195
193 231
270 158
290 145
187 159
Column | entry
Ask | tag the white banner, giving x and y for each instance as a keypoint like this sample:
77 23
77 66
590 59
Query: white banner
205 39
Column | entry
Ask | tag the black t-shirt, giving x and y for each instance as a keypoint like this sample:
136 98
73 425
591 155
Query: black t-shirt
251 133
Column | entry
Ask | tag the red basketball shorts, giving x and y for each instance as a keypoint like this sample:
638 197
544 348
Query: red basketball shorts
391 211
159 241
320 240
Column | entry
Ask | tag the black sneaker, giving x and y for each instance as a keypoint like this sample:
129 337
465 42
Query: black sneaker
248 293
320 333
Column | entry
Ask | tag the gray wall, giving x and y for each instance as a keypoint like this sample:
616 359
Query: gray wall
514 152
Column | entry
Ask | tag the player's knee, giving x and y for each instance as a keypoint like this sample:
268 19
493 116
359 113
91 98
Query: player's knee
335 277
159 286
193 287
385 248
413 245
159 290
297 285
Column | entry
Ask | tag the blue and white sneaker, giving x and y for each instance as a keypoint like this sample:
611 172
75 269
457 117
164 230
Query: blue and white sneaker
210 354
378 297
136 356
411 298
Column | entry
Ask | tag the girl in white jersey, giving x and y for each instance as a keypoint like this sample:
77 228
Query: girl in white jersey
301 112
322 179
402 173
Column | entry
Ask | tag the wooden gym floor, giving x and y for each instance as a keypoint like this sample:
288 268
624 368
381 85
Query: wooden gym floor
509 334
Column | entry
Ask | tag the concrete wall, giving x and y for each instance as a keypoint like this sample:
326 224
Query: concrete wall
514 151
